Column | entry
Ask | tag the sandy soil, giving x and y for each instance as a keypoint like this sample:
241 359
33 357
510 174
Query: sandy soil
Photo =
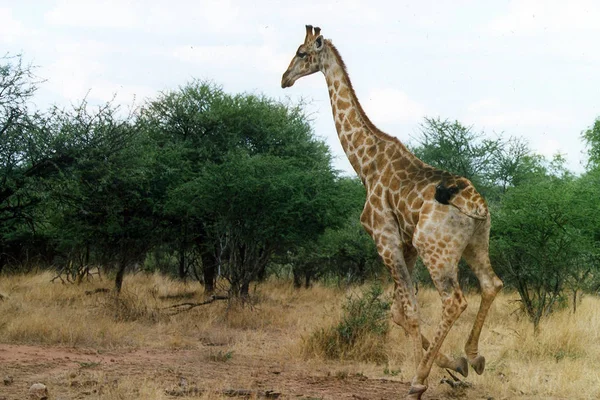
75 373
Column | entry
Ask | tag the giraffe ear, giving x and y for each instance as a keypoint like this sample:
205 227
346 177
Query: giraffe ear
319 43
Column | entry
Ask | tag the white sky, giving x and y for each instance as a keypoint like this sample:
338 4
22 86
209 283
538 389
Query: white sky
527 68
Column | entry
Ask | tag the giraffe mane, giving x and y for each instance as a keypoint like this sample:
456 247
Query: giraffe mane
378 132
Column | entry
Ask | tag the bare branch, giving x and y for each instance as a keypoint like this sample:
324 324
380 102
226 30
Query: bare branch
182 307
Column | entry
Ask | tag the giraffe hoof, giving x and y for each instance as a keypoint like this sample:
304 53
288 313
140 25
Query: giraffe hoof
415 392
478 364
462 366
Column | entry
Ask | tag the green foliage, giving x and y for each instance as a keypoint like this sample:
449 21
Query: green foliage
244 177
492 165
362 332
103 200
344 252
454 147
539 240
202 182
28 160
591 137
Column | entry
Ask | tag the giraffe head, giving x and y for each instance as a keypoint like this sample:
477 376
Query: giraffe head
306 60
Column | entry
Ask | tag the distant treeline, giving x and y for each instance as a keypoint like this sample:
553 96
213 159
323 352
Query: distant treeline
202 184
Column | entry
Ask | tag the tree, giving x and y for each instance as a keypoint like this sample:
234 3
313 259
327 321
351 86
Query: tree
28 158
243 174
259 206
540 240
344 251
591 137
493 165
455 148
103 200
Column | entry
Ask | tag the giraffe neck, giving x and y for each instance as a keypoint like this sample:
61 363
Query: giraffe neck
357 134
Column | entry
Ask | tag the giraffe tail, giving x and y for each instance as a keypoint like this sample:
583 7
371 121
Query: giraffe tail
475 207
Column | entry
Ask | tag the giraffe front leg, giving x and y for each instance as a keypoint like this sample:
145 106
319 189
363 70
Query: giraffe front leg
405 308
405 313
443 268
459 364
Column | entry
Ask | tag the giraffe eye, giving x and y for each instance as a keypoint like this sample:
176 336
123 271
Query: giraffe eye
301 54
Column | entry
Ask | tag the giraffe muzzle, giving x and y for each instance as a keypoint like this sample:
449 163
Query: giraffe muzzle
286 81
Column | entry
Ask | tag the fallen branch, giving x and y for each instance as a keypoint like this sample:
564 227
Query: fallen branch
194 391
182 307
98 290
455 383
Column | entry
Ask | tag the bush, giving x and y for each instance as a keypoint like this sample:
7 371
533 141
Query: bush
360 335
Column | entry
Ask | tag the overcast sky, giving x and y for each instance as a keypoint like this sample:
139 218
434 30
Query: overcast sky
522 68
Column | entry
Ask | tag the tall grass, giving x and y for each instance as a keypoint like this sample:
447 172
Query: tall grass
561 361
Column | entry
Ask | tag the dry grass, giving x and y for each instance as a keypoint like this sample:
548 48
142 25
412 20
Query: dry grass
560 362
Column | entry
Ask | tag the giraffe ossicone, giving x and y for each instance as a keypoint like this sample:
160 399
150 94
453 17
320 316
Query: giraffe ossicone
412 210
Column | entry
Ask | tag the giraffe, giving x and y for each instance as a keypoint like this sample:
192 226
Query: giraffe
412 210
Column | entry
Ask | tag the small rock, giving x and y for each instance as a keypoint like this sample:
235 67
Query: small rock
8 380
38 391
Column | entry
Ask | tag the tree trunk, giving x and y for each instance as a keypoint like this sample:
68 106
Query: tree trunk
209 270
120 275
210 262
182 271
245 290
297 278
307 277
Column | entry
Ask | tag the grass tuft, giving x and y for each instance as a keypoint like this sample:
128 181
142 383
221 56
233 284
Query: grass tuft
360 335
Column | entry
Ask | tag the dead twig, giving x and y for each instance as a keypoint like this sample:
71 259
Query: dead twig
455 383
182 307
98 290
194 391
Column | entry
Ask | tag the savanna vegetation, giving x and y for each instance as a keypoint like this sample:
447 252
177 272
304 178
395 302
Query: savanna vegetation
117 223
230 190
325 342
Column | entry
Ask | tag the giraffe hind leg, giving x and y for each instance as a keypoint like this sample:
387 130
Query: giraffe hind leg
476 254
459 364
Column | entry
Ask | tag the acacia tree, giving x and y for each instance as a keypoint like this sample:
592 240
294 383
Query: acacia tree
262 205
541 242
243 174
492 164
101 204
456 148
29 158
591 137
344 252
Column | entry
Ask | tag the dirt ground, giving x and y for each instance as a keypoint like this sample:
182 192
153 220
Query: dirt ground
75 373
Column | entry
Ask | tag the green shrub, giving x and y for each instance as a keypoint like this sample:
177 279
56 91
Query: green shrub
360 335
